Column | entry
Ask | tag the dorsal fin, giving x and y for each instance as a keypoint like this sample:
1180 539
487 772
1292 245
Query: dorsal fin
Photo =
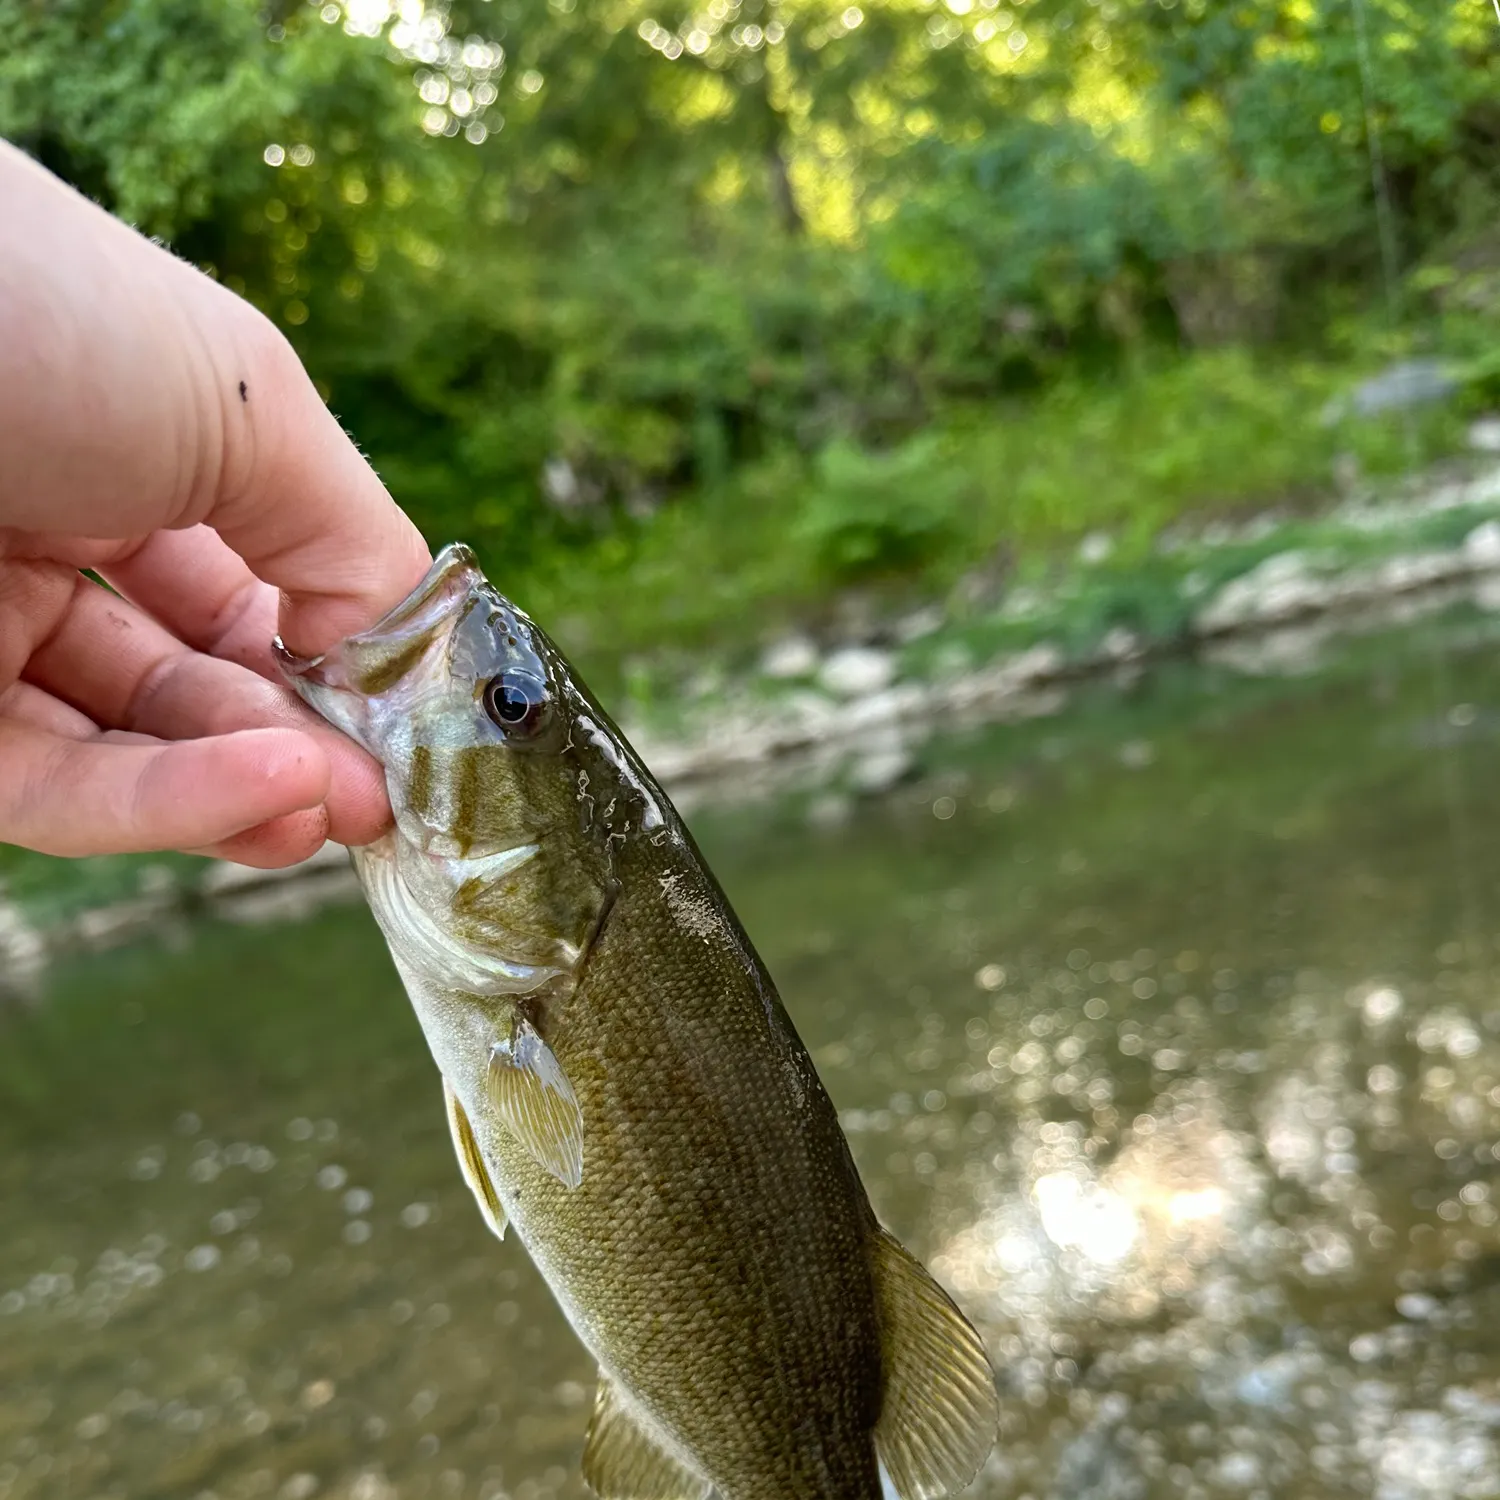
620 1462
471 1163
940 1413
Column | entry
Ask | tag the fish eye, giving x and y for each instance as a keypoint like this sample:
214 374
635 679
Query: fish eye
516 702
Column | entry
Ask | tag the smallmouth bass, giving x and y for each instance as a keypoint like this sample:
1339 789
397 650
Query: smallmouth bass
625 1090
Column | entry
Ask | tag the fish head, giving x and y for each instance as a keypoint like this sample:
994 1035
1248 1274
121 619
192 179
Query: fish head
487 743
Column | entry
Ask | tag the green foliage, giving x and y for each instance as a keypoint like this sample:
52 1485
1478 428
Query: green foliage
788 295
1215 430
880 513
997 488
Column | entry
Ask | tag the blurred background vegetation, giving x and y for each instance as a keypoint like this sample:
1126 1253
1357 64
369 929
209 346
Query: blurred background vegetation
692 318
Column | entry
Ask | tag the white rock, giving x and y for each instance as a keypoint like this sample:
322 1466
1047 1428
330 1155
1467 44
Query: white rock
23 952
706 684
110 926
792 656
1398 574
857 672
561 485
1020 603
1037 664
1281 587
881 769
1095 548
1007 683
1487 593
813 714
1482 545
1283 565
919 623
1403 385
951 659
1484 435
879 710
1484 490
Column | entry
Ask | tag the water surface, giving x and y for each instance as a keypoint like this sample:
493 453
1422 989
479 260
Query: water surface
1167 1030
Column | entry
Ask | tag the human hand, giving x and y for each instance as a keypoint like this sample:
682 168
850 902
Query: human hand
158 430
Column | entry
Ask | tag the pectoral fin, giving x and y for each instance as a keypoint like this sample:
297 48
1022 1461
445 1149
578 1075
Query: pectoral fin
620 1462
471 1163
940 1413
537 1103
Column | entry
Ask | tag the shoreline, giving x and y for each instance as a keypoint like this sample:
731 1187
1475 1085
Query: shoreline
852 718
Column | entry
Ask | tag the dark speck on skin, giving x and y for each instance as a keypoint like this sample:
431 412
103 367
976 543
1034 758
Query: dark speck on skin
244 391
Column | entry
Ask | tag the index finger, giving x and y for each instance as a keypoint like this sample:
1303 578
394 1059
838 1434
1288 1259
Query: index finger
137 394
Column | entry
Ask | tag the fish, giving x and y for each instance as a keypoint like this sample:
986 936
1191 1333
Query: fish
625 1089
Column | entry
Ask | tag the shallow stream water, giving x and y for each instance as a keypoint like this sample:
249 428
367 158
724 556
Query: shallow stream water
1166 1029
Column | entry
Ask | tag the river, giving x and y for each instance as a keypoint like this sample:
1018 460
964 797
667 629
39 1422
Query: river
1165 1028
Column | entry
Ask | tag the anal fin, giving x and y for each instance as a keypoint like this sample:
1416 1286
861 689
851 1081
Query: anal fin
530 1090
940 1413
471 1163
620 1462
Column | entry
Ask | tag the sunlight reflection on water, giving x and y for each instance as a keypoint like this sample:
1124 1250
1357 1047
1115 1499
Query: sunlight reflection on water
1183 1074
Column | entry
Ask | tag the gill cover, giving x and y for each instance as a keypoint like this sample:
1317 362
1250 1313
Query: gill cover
497 876
471 711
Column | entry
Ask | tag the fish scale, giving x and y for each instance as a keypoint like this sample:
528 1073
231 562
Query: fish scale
698 1249
627 1092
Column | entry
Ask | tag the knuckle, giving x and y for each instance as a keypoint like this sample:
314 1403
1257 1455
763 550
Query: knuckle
141 706
232 615
41 786
34 601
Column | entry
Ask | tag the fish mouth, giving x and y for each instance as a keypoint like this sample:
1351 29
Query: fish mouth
447 585
345 683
